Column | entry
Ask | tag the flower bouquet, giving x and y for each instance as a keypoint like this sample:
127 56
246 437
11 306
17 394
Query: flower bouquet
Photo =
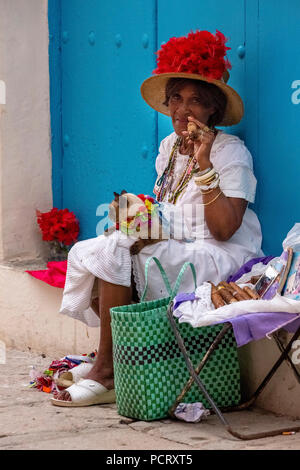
60 229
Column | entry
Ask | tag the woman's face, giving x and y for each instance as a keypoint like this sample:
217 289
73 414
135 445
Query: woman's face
184 103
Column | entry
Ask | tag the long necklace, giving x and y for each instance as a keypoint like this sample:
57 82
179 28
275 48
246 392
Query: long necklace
164 184
164 181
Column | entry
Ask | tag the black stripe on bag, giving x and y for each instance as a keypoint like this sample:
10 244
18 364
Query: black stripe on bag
132 355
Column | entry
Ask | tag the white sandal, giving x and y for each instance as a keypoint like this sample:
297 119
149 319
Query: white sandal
66 379
85 393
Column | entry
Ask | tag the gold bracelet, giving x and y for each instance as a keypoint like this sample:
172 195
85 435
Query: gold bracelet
207 191
206 175
206 182
213 200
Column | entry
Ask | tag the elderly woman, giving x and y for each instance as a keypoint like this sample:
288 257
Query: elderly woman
207 176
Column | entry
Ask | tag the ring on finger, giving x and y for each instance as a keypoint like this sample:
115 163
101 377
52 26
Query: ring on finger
207 129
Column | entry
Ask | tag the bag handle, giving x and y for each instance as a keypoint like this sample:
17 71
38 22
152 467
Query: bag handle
180 276
163 273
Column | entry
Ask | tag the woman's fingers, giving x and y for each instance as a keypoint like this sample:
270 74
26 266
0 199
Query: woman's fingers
187 140
200 124
207 137
204 138
204 141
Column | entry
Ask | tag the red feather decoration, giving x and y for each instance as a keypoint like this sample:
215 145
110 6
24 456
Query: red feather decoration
199 52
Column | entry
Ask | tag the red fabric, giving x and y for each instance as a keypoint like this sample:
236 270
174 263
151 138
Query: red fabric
54 275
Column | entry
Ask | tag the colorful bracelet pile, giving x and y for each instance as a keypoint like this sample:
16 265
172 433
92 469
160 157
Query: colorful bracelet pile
207 180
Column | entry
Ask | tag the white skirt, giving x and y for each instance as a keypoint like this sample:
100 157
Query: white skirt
108 258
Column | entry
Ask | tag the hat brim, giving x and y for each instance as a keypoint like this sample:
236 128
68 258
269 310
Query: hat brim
153 92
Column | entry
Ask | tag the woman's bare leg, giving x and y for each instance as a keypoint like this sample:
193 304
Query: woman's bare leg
110 295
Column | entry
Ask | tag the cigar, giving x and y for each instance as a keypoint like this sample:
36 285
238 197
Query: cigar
229 288
225 284
239 297
253 294
254 279
241 292
235 290
226 295
216 298
193 131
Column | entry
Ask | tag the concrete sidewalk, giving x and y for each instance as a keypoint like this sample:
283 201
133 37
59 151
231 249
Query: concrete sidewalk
29 421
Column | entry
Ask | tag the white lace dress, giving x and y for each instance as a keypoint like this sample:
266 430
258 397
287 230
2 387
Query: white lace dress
109 258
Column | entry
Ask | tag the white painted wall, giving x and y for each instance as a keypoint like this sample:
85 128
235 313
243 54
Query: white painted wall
30 318
25 151
29 309
1 199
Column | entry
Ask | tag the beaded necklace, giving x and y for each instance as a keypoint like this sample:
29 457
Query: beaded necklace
164 184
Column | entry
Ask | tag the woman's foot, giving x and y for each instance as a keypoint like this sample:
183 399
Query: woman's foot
102 375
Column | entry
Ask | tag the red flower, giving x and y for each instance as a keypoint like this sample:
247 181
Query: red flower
143 197
58 225
200 53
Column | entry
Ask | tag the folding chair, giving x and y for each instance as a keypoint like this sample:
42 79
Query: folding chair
194 377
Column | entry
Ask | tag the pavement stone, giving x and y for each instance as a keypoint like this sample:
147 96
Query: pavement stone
29 421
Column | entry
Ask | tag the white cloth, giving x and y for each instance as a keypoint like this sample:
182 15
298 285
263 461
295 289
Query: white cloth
104 257
201 311
108 258
192 312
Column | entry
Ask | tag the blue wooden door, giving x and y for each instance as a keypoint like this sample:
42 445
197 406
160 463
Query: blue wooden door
109 141
177 19
278 116
110 136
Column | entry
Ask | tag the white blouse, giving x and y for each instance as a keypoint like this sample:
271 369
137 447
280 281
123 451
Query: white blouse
109 257
233 161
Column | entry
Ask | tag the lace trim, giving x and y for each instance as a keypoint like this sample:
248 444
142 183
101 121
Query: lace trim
136 277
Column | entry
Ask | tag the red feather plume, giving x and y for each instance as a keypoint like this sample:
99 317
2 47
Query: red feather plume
199 52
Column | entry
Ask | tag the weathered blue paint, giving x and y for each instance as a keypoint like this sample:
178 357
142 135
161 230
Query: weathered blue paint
278 162
54 18
109 136
250 120
174 20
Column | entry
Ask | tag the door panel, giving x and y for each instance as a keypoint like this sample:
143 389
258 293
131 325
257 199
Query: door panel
178 19
109 134
277 166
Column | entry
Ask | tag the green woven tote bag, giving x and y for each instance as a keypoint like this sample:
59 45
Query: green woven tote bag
149 368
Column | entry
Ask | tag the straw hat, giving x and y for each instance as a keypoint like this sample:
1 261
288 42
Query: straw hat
198 56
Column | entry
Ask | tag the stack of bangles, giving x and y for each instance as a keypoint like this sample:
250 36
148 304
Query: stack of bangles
208 180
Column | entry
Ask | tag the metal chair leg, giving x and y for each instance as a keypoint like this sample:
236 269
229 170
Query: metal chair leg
195 378
198 369
281 347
